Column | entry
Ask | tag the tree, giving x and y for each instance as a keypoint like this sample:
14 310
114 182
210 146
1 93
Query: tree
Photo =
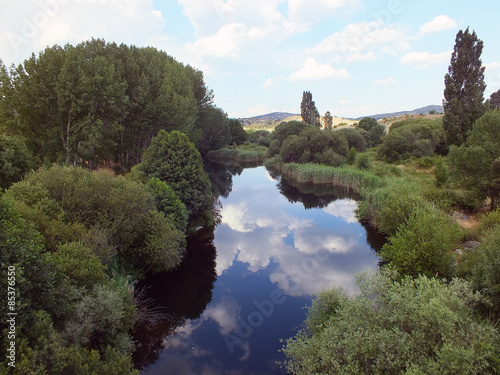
376 131
172 158
494 100
328 120
238 134
476 165
416 326
308 110
16 160
464 87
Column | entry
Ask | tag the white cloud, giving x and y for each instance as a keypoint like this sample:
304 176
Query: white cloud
423 60
222 44
31 25
385 81
304 13
364 41
344 208
272 82
438 23
314 71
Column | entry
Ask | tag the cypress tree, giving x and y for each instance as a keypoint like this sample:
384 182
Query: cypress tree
464 87
308 110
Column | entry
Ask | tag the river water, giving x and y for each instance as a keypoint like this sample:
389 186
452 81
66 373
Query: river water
244 285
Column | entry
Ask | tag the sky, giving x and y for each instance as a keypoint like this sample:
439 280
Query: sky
356 57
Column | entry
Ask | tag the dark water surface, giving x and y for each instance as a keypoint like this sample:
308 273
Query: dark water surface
244 285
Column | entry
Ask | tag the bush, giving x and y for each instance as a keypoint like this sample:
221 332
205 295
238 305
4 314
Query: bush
68 204
391 205
16 160
421 326
423 245
413 137
363 162
441 173
482 267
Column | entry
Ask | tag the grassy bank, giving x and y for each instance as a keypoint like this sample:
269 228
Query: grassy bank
249 154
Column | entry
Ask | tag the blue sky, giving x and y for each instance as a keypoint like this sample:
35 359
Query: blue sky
357 57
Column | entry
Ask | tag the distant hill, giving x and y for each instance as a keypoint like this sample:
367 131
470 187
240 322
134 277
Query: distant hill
423 110
269 119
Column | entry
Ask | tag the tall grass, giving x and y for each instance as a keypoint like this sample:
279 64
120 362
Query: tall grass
349 178
244 155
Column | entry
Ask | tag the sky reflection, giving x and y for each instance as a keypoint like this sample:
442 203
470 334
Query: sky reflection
274 251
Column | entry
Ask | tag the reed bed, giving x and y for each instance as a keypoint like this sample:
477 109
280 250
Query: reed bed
356 180
252 155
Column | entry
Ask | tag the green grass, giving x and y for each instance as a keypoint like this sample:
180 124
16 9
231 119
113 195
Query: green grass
246 154
350 178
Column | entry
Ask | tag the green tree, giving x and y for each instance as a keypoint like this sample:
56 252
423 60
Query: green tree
476 164
238 134
494 100
16 160
416 326
308 110
464 87
215 131
328 120
168 203
441 173
376 131
172 158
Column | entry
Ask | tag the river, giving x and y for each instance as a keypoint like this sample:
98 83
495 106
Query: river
243 286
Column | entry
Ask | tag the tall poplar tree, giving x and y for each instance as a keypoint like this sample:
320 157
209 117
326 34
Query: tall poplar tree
308 110
464 87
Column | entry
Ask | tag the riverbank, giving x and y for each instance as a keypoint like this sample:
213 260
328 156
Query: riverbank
245 154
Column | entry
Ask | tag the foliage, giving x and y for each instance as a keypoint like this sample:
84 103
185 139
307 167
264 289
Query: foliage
423 244
441 173
322 174
390 205
464 88
16 160
168 203
172 158
76 201
328 120
412 137
354 138
351 156
253 154
313 145
50 289
375 130
308 111
416 326
476 164
214 127
97 102
481 266
363 162
494 100
238 134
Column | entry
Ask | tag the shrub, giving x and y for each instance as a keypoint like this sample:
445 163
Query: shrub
423 244
482 267
421 326
391 205
363 162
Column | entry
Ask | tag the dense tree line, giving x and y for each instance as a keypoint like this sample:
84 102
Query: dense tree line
101 102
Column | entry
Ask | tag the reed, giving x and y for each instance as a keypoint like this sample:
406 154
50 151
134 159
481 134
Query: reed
349 178
237 154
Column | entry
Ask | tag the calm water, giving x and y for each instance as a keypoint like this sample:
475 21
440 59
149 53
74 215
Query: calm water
244 285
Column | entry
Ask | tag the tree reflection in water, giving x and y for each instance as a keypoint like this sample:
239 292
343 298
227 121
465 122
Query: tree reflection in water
181 294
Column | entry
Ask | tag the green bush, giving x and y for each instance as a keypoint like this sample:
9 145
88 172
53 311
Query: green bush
390 205
70 204
423 244
413 137
481 266
363 162
16 160
416 326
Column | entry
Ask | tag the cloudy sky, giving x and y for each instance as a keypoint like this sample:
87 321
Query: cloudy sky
357 57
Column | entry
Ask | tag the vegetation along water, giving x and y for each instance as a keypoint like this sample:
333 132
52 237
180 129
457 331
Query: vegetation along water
126 247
